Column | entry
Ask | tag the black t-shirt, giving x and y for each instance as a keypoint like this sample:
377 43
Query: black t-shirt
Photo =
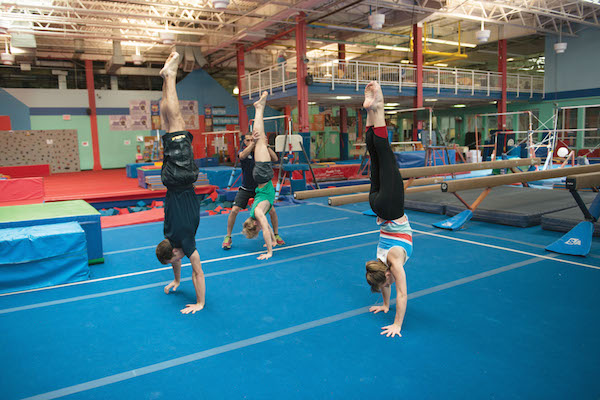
179 170
247 165
182 216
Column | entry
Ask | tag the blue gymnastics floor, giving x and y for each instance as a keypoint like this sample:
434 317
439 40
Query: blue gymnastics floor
491 315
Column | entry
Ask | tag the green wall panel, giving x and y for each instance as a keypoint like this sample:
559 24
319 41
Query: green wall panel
79 122
114 153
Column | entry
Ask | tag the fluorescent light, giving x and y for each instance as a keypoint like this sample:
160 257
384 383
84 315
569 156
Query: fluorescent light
510 59
459 105
451 42
440 65
493 102
343 97
392 104
391 112
395 48
431 99
404 62
312 103
17 50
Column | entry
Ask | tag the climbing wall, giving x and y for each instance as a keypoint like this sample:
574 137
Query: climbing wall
58 148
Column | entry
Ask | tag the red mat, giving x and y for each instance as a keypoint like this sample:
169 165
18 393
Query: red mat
152 215
101 186
21 191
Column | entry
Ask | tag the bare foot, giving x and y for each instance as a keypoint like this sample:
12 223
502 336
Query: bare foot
171 65
373 96
262 102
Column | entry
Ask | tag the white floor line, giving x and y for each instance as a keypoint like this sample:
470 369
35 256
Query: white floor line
551 257
188 264
163 283
483 244
123 376
199 239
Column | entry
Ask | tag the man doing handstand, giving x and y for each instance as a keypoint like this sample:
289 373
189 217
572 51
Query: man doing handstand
178 174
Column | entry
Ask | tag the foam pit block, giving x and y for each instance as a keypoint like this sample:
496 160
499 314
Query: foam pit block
58 212
42 255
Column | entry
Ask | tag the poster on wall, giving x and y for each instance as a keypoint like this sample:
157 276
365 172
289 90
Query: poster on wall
139 122
225 120
139 107
219 110
118 122
207 111
318 123
188 107
191 121
155 114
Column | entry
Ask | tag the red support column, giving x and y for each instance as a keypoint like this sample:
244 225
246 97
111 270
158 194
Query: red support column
359 126
242 114
343 111
418 61
301 72
341 56
89 79
502 70
288 113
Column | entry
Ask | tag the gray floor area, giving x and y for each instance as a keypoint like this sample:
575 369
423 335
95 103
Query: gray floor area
565 220
506 205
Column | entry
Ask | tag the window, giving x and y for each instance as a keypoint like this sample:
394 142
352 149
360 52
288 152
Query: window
591 139
567 121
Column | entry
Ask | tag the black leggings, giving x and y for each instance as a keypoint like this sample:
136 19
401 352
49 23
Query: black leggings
386 196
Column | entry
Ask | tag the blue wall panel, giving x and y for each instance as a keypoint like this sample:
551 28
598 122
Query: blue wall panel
18 112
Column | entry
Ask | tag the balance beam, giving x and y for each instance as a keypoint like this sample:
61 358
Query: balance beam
583 181
487 183
412 173
453 168
360 197
499 180
309 194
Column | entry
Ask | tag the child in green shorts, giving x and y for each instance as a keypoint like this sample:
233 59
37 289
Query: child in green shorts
263 175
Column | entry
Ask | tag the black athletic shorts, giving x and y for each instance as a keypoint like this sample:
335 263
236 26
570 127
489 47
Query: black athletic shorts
263 172
242 197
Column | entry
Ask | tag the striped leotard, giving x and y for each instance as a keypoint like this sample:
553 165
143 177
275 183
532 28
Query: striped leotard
396 233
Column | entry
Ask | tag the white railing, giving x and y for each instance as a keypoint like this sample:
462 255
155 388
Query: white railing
356 73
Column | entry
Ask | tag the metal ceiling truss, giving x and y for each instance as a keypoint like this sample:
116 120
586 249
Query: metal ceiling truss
130 19
548 16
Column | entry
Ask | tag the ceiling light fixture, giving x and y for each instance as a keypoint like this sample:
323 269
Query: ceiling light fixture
561 46
459 105
343 97
376 20
7 58
167 37
483 35
220 4
394 48
451 43
137 58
